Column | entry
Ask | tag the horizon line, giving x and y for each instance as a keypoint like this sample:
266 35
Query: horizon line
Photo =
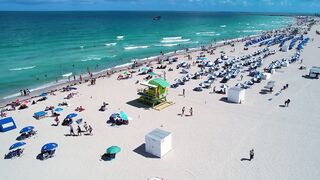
186 11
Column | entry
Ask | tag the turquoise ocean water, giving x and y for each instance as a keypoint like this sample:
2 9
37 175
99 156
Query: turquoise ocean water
36 48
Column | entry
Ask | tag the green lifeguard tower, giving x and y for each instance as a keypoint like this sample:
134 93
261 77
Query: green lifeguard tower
155 94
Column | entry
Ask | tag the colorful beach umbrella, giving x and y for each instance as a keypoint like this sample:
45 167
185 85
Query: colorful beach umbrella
17 145
72 115
123 116
58 110
26 129
113 150
49 147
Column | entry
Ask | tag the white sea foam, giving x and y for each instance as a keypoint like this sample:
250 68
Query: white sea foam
135 47
91 58
251 31
22 68
205 33
218 34
223 26
166 45
174 40
67 74
110 44
111 56
120 37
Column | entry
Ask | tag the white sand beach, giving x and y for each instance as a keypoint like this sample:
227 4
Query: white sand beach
208 145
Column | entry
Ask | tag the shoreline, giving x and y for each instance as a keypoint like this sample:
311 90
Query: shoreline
54 86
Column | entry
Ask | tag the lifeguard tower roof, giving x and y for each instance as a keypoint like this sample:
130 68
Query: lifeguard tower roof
159 82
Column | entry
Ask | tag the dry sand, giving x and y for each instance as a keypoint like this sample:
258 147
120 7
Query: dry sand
208 145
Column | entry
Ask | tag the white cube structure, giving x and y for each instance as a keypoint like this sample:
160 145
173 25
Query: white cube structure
236 94
158 142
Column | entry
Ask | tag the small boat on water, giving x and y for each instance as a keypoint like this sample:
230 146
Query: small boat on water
156 18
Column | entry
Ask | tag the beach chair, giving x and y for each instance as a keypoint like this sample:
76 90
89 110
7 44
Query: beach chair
40 114
48 154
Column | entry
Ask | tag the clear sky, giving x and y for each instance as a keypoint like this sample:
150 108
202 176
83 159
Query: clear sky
308 6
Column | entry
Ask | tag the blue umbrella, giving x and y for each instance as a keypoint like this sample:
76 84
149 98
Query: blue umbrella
58 109
16 145
123 116
49 147
72 115
26 129
43 94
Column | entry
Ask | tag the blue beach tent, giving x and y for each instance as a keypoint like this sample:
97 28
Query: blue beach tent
7 124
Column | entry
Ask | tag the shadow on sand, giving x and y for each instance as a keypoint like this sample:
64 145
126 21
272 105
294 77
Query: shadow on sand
245 159
141 150
136 103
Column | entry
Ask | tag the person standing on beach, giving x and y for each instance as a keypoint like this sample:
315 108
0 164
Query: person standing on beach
251 154
191 111
182 111
79 130
288 102
183 92
214 89
85 126
90 130
241 77
71 130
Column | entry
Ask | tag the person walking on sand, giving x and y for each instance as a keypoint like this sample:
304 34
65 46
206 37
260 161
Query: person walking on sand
85 126
79 130
251 154
288 102
90 130
241 77
71 130
183 92
191 111
182 111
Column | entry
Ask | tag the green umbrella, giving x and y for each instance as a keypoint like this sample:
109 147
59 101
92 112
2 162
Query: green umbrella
113 149
144 69
126 73
152 73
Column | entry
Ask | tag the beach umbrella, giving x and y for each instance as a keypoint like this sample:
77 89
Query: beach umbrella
127 73
224 86
123 116
49 147
58 109
113 150
144 69
26 129
17 145
152 73
43 94
17 100
72 115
